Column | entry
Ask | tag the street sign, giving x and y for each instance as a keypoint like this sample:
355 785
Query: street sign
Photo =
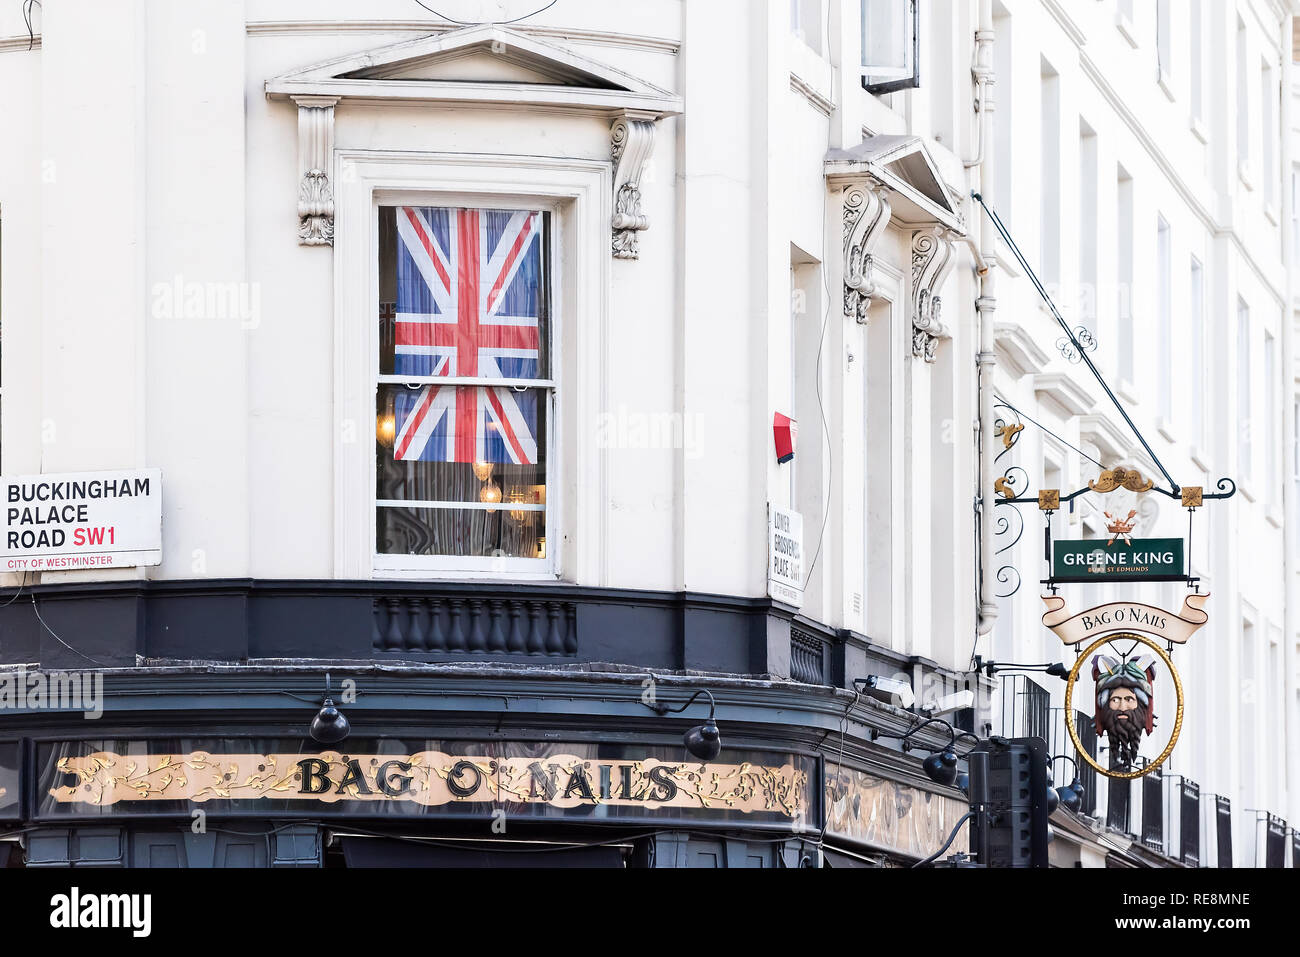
785 555
1139 559
81 520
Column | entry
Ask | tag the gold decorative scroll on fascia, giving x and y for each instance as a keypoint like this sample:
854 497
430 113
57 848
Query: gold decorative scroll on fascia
431 778
1125 616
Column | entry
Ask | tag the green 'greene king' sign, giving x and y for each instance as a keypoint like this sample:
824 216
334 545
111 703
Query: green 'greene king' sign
1142 559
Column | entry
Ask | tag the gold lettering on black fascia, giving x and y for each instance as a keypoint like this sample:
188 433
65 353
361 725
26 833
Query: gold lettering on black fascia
315 776
391 783
458 771
353 777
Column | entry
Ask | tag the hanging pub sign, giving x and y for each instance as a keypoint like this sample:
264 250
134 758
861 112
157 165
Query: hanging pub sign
1118 559
1121 646
81 520
1125 677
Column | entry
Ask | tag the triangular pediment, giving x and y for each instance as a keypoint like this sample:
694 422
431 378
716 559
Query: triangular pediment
487 63
905 166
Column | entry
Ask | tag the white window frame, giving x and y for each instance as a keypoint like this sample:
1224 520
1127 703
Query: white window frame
576 193
878 79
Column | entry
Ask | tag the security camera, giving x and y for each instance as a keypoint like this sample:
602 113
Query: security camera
892 690
950 703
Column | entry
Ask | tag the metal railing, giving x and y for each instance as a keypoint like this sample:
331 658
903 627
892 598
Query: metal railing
1223 830
1189 822
1026 709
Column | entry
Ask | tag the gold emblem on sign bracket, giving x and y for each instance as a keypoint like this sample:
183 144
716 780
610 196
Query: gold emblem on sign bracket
1192 496
1120 477
1008 434
1069 698
1049 499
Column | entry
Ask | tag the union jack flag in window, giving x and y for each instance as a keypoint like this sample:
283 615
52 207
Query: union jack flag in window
468 305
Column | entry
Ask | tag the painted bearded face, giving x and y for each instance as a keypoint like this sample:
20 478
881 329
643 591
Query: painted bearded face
1124 704
1124 719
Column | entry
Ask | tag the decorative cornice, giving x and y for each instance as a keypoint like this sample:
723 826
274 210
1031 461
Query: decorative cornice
632 139
933 255
627 41
866 216
1016 345
1112 444
1065 391
815 98
576 82
20 44
571 82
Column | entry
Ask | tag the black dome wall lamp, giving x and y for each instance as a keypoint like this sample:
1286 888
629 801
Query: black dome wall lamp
941 766
330 726
704 741
1071 795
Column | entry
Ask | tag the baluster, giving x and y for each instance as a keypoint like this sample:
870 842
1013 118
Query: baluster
477 639
456 633
437 638
415 638
571 629
536 639
376 633
554 642
496 632
516 644
394 641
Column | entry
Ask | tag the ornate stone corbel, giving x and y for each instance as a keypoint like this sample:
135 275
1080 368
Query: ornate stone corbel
315 149
866 215
633 138
933 254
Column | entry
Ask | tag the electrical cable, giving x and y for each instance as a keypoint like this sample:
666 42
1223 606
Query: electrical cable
1083 354
947 844
27 19
21 586
817 384
60 640
479 23
844 724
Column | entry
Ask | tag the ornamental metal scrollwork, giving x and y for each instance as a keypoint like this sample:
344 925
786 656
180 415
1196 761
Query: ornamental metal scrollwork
1003 527
1005 486
1008 573
1072 350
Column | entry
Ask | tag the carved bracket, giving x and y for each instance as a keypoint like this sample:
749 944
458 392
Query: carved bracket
315 149
633 138
933 255
866 215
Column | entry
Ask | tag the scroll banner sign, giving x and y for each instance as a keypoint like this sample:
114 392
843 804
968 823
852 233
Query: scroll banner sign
1125 616
553 781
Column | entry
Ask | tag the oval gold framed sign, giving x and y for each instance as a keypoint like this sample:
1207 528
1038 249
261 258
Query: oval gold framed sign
1069 697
